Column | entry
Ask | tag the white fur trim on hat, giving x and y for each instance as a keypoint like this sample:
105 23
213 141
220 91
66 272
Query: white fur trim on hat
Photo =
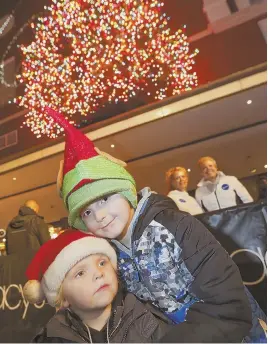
68 257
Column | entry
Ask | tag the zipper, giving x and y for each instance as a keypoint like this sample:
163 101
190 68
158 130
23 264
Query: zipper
217 199
132 321
139 211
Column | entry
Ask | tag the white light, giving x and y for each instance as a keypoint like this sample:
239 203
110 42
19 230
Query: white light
249 101
265 166
14 178
254 170
189 170
112 146
4 240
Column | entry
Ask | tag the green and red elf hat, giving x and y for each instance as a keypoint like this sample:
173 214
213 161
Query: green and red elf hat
87 175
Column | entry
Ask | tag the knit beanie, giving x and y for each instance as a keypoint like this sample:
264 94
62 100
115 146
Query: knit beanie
88 175
55 258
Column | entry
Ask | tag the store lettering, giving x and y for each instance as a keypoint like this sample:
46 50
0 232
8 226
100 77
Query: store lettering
20 302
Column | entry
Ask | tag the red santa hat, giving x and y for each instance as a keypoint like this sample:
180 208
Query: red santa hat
55 258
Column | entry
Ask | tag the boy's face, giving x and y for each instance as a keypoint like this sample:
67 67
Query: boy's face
90 285
109 217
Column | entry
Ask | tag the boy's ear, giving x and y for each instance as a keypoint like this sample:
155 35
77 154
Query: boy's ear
65 303
111 158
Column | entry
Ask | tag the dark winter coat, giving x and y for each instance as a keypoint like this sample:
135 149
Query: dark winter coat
131 322
27 231
178 265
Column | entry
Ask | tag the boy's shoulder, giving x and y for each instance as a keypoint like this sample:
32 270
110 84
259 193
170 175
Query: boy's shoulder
161 210
57 331
148 321
159 204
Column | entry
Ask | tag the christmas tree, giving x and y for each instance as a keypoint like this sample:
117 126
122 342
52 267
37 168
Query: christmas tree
89 52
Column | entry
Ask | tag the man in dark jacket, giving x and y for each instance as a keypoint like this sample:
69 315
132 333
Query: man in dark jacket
27 230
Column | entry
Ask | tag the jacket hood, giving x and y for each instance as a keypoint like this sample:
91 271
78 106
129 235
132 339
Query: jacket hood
149 205
155 204
26 211
18 221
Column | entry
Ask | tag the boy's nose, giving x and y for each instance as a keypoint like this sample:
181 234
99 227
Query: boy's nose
98 274
100 215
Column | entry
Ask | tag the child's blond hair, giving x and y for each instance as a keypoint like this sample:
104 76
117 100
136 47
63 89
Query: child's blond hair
60 299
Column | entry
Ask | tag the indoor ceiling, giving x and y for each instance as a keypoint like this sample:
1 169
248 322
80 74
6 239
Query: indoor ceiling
229 129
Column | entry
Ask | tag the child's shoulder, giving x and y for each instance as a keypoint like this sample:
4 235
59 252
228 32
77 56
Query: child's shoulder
158 204
56 331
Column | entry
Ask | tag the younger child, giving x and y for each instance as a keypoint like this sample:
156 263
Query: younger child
77 272
164 255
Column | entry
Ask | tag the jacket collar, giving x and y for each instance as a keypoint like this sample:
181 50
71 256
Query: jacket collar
204 182
72 327
143 197
23 211
177 192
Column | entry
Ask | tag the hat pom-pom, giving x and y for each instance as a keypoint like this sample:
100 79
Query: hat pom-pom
33 292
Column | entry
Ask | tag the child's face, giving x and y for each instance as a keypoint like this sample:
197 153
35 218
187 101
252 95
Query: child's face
108 217
91 284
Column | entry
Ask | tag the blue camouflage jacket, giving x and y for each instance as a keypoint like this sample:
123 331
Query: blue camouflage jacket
177 264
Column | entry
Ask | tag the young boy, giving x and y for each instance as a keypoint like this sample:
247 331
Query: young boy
76 272
164 256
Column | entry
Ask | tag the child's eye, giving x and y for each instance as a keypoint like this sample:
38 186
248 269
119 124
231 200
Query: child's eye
102 262
104 200
86 213
80 274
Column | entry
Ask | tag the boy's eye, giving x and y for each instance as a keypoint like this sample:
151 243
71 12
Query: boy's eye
86 213
80 274
102 262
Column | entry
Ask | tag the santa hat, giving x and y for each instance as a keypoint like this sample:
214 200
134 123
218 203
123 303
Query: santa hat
88 175
55 258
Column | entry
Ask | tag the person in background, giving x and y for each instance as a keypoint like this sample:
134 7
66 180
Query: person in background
27 230
177 179
216 190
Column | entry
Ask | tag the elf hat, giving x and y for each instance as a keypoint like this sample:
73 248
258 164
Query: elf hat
88 175
55 258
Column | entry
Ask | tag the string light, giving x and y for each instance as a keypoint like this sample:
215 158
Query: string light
14 39
87 53
7 21
2 63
